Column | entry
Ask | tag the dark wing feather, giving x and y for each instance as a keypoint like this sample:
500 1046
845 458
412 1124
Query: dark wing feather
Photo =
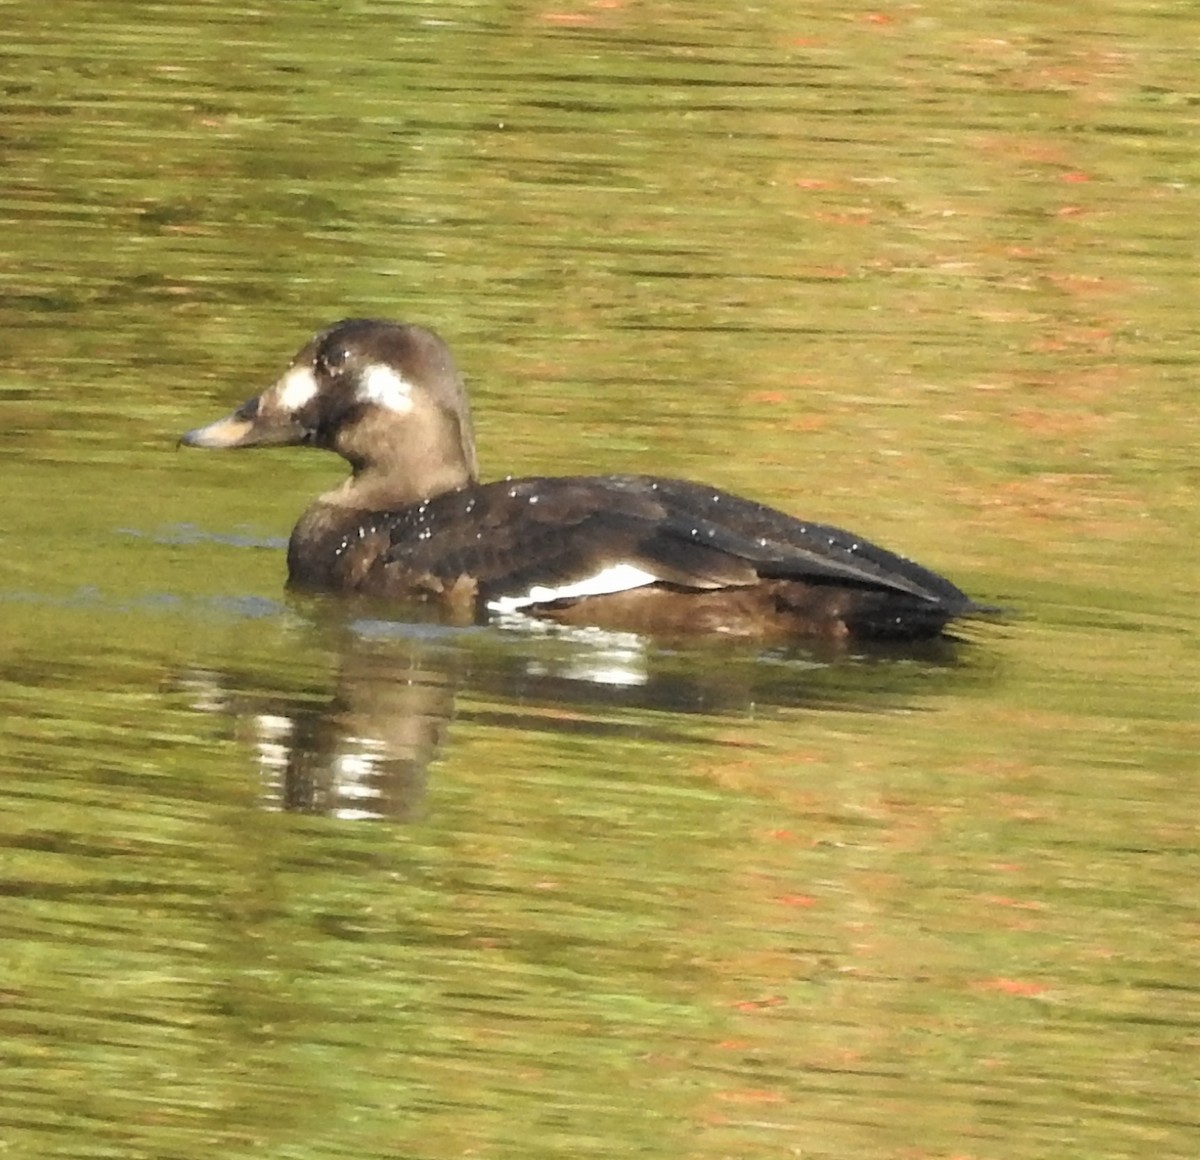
511 535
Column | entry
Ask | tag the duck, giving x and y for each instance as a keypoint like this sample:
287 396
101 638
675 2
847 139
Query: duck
413 521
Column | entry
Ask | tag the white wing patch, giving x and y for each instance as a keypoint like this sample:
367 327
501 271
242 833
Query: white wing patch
618 578
297 387
382 385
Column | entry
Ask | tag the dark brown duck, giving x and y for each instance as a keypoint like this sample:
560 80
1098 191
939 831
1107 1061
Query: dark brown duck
413 520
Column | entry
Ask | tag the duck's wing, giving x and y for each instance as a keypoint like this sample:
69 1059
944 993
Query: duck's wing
533 541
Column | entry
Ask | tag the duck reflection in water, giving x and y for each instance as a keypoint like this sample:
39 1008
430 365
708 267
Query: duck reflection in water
359 744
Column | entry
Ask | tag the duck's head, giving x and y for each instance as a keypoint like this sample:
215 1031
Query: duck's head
385 396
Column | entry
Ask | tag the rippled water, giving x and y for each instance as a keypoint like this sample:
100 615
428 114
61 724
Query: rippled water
302 879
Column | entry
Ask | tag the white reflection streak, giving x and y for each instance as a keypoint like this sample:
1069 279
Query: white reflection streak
273 746
354 771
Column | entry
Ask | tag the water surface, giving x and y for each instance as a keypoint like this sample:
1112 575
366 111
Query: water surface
301 879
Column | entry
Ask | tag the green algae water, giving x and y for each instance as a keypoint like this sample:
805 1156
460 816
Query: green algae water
302 879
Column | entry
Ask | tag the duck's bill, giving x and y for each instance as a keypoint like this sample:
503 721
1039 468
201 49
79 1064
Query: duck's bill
248 426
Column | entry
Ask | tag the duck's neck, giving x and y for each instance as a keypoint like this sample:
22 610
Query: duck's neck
435 454
381 487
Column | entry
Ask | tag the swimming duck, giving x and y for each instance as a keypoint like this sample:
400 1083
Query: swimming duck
635 551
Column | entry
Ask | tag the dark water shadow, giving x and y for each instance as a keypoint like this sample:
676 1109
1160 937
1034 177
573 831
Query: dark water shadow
360 745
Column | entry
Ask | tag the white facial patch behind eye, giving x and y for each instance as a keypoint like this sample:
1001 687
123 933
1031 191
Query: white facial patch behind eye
297 387
384 387
618 578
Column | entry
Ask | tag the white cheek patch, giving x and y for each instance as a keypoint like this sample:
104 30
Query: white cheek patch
618 578
297 387
384 387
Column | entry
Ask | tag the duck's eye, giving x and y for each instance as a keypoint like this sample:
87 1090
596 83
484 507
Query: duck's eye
333 360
